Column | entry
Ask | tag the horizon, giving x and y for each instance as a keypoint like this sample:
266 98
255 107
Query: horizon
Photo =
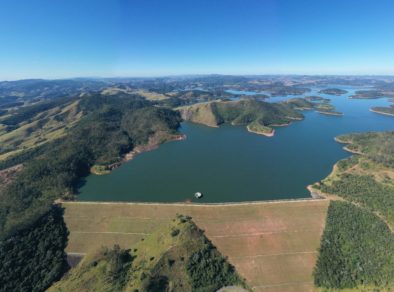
201 75
143 39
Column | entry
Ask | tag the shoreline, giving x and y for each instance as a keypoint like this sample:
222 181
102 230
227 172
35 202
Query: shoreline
316 194
330 113
352 151
338 140
324 196
381 113
295 119
261 133
149 147
280 125
137 150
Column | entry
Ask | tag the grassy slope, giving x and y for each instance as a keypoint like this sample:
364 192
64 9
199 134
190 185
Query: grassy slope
40 129
201 113
151 95
170 257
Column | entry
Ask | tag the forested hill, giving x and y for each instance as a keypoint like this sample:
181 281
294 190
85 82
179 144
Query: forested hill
252 113
107 127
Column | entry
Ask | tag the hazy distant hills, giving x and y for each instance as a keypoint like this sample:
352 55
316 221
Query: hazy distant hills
24 90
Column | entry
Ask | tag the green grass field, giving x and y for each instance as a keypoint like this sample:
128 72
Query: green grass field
272 244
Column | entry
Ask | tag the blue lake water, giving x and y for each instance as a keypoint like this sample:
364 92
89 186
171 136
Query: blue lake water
229 164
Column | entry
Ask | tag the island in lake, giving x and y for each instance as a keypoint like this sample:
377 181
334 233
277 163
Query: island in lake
333 91
320 105
316 98
367 94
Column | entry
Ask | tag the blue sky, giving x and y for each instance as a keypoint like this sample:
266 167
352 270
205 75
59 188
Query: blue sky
69 38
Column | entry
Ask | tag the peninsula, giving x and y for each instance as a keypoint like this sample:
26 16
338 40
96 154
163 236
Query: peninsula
388 110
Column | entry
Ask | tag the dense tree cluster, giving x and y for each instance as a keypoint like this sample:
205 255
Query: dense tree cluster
209 271
365 190
247 111
33 258
357 249
119 262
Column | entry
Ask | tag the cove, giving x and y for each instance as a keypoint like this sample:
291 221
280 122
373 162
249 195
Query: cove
229 164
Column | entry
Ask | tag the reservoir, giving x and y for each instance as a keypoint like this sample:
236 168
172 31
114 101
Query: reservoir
229 164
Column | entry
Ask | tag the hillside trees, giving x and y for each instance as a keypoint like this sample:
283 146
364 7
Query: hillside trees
357 249
31 259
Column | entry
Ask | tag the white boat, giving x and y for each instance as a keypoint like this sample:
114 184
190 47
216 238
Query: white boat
198 195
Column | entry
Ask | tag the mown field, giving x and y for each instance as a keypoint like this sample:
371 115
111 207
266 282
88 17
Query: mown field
272 244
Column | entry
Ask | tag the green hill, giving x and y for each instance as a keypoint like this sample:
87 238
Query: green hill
176 258
256 115
333 91
33 126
